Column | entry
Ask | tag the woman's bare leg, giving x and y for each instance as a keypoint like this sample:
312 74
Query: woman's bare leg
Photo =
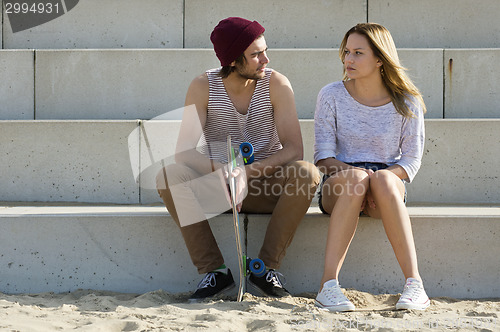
342 196
388 192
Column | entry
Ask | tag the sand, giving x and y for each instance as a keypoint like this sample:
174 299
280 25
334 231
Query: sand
86 310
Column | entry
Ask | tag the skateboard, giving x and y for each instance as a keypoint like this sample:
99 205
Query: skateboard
246 264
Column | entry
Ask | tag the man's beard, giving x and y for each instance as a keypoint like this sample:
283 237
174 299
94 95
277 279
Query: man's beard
246 75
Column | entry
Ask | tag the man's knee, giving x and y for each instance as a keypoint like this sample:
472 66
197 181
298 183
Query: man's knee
161 180
304 171
303 179
170 175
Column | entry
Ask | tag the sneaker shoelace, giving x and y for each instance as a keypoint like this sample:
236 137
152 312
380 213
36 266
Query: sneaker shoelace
275 278
334 294
207 281
411 291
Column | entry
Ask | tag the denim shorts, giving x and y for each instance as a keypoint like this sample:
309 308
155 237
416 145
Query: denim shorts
366 165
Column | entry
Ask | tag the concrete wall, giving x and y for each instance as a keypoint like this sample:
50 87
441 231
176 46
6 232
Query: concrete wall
106 24
472 83
142 84
67 161
89 161
290 24
115 84
16 85
424 68
458 163
286 22
131 84
443 23
309 70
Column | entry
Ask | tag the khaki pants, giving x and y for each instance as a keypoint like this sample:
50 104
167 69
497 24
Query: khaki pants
286 194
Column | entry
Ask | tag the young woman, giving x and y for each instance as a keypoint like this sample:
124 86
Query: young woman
369 131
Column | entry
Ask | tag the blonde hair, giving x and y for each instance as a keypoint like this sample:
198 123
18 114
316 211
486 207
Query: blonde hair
394 76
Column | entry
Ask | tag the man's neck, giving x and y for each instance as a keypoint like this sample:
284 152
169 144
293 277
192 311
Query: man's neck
239 84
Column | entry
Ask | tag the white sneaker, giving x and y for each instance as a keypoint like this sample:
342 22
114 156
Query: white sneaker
332 298
413 297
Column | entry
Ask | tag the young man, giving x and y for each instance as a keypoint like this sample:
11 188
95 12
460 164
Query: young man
253 104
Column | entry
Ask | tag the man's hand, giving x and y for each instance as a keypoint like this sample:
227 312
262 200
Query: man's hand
240 181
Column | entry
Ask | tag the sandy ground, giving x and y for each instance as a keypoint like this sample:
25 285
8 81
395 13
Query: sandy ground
85 310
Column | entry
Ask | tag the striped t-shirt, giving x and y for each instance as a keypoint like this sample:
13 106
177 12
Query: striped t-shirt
257 126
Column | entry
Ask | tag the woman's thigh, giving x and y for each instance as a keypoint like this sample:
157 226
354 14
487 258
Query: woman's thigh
384 185
351 182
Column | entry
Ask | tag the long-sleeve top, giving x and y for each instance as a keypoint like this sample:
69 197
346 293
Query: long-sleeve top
352 132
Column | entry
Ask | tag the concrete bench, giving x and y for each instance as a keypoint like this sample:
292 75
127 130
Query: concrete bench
131 248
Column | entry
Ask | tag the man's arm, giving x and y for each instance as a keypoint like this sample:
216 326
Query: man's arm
287 124
193 121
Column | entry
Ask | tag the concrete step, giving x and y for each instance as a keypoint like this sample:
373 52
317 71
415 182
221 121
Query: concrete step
290 24
142 84
139 249
17 86
75 161
90 161
104 24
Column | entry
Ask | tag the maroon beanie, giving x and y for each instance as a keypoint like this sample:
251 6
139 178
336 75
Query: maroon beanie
232 36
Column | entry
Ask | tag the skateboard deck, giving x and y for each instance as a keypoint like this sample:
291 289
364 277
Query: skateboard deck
246 264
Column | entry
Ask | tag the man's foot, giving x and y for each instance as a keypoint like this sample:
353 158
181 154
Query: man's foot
413 297
332 298
212 285
269 284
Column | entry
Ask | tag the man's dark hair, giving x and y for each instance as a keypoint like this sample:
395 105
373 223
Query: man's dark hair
226 70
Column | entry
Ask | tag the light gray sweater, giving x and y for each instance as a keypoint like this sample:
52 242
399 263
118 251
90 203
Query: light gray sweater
352 132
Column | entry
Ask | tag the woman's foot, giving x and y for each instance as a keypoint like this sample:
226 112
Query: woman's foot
414 296
331 297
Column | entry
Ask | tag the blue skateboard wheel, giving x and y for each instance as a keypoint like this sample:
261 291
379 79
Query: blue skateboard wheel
257 267
246 150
